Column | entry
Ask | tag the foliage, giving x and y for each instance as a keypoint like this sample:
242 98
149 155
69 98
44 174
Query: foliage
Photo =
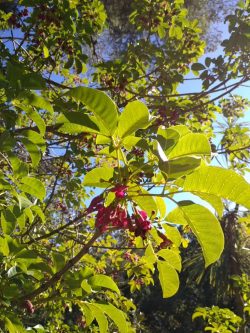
219 320
85 172
224 320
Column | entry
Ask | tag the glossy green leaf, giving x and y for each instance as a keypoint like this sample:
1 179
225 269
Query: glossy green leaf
103 281
99 103
191 144
205 227
86 287
102 140
150 255
161 205
100 317
171 257
131 141
214 201
75 123
89 317
116 315
134 116
169 279
33 187
98 177
181 129
220 182
167 138
173 234
179 167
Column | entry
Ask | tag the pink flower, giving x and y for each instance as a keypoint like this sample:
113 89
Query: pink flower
120 191
142 224
95 204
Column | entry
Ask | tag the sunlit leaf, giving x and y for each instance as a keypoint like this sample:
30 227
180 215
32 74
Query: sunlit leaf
204 225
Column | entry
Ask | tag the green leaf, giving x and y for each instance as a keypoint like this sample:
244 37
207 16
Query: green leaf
8 221
33 187
39 212
13 324
171 257
204 225
197 67
33 81
109 199
76 122
116 315
6 142
99 316
130 141
20 168
58 261
86 287
37 101
175 32
220 182
23 202
146 203
35 138
102 106
103 281
45 51
179 167
173 234
33 150
150 254
89 316
161 205
167 138
169 279
38 120
181 129
102 140
4 248
214 201
134 116
191 144
98 177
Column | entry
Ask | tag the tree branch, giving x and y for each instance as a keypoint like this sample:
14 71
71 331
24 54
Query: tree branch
57 276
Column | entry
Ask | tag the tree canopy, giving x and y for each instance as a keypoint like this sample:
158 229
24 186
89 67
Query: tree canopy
109 175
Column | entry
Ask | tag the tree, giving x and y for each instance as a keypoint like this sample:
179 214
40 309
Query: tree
85 171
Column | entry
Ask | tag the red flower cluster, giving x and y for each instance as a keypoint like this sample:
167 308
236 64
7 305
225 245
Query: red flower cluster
120 191
141 222
116 215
